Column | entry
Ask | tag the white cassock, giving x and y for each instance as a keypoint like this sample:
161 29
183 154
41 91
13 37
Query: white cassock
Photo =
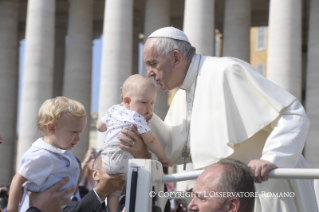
234 112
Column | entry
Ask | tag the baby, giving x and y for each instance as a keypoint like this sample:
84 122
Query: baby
49 159
138 98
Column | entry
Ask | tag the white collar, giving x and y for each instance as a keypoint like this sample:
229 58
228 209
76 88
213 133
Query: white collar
42 144
191 73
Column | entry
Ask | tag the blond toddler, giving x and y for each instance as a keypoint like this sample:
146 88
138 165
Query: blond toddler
49 159
138 98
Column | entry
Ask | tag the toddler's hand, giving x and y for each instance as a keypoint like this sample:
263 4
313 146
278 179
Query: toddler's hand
165 162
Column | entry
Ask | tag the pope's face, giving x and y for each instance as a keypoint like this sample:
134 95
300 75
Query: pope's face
159 67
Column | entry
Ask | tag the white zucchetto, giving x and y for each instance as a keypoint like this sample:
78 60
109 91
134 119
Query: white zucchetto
170 32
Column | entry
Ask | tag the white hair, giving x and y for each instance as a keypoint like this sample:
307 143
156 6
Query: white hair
165 46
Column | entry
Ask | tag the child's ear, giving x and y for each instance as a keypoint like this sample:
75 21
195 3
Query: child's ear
126 100
51 127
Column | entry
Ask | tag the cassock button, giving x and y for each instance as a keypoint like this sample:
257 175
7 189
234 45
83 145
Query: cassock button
189 100
188 91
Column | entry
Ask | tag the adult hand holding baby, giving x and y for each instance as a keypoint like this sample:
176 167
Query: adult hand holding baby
51 199
136 146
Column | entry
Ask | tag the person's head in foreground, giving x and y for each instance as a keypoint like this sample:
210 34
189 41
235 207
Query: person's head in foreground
96 172
139 95
3 198
61 120
227 175
167 54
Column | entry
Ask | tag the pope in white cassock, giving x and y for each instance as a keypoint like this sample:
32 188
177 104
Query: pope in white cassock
225 108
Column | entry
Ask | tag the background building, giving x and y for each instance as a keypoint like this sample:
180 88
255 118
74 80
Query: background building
258 49
285 35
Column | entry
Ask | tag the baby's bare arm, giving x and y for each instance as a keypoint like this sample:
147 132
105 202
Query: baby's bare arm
15 192
100 126
153 143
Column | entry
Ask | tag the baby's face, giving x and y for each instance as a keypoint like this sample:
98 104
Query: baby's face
67 132
143 102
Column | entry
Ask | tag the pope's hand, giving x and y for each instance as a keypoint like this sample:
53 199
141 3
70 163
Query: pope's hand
165 162
260 169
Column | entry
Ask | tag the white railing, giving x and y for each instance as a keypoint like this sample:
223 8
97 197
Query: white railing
279 173
148 178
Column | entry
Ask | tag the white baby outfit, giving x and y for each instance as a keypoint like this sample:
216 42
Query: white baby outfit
115 160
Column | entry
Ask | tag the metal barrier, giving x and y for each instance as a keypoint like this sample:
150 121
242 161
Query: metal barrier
150 182
280 173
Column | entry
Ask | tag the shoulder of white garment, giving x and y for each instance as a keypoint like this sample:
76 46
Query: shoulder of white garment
234 89
296 109
35 164
241 76
232 102
139 121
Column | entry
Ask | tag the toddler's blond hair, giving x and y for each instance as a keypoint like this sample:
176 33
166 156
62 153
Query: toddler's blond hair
52 109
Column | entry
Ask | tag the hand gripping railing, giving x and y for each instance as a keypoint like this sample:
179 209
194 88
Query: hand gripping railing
145 177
